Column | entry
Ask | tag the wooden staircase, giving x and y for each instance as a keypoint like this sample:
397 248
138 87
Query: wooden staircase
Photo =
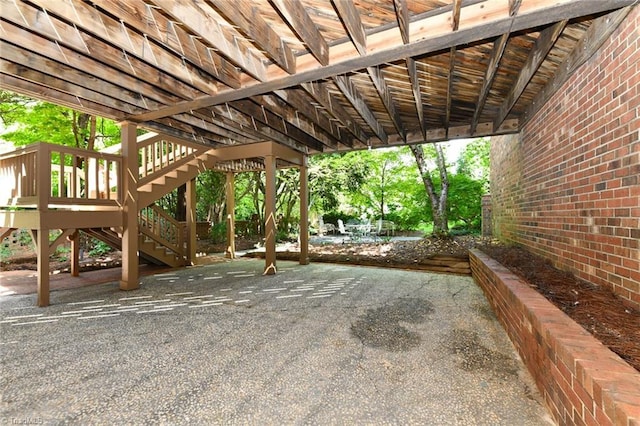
165 164
160 240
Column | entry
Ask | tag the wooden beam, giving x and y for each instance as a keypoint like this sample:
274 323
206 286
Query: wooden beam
82 46
452 64
302 102
350 18
205 24
538 53
256 128
402 16
417 94
244 15
113 97
489 76
301 23
455 15
599 32
387 99
429 34
293 117
320 93
275 122
90 19
156 26
350 92
499 47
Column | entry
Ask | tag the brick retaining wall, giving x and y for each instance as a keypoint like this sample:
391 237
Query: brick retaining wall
580 379
568 186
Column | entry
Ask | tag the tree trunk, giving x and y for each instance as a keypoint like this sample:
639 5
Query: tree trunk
181 204
438 201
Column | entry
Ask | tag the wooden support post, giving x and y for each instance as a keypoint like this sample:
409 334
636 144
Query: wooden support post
270 226
304 213
41 235
130 272
230 194
191 222
41 241
74 239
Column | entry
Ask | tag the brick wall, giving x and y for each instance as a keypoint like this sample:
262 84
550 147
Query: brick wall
581 381
568 186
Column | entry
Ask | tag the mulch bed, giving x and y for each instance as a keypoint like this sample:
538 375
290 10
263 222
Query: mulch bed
597 309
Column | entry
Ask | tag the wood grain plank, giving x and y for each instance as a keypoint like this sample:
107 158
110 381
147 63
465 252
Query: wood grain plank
402 16
538 53
598 33
205 25
302 24
320 93
350 17
248 19
389 46
387 99
155 25
93 22
352 94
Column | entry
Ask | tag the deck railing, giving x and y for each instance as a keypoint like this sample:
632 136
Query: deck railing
162 228
158 156
43 175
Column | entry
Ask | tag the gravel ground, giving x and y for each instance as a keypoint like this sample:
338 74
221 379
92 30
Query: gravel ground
222 344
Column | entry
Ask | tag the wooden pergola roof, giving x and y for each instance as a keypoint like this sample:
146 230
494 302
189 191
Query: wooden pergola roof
314 75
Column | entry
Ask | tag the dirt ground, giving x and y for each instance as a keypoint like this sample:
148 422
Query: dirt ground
596 309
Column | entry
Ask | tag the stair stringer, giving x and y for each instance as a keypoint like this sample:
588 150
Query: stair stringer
150 192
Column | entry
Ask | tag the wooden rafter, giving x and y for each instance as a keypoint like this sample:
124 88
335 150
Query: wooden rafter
11 83
160 29
299 100
256 126
455 23
350 92
291 116
386 97
204 24
276 122
302 24
75 46
538 53
350 18
402 16
492 68
596 35
90 20
429 34
320 93
243 14
417 94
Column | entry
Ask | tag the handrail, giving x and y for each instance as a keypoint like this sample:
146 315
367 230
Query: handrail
156 224
43 174
158 155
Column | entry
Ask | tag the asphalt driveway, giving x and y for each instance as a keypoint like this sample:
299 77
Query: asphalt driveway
222 344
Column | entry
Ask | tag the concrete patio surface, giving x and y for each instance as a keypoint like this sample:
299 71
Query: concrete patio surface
223 344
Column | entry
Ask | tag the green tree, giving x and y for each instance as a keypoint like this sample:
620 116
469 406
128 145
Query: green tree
35 121
437 196
464 202
474 161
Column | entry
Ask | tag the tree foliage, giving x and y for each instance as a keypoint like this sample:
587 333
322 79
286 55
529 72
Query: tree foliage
31 121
